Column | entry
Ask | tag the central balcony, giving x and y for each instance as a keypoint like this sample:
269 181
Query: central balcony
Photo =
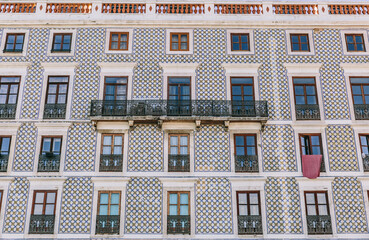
179 224
319 224
250 224
361 111
7 111
307 112
3 162
221 110
49 162
178 163
246 163
55 111
41 224
107 224
111 162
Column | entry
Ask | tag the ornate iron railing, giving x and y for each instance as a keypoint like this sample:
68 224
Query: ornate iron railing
4 162
49 162
216 108
250 225
41 224
307 112
361 111
366 163
179 224
7 111
246 163
55 111
107 224
319 224
111 162
179 163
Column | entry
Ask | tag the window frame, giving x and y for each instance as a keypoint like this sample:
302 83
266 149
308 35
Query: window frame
52 142
179 41
57 92
244 135
1 198
109 201
178 202
310 39
45 199
355 44
316 202
354 53
178 145
119 37
240 42
15 40
248 202
304 85
310 146
112 142
8 93
62 42
299 42
361 144
242 31
168 41
180 84
361 88
243 84
1 142
115 84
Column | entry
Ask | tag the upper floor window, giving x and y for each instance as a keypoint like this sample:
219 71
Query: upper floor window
355 42
306 99
56 97
50 154
300 43
9 88
62 42
43 212
118 41
364 144
311 144
246 159
4 152
249 212
242 88
317 213
179 213
108 212
1 198
14 42
115 88
360 89
179 96
240 41
111 159
179 41
179 153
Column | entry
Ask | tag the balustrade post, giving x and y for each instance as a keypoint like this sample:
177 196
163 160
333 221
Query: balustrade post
40 8
97 8
150 8
209 9
323 9
267 9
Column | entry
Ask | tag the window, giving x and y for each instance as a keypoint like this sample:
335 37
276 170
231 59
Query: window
317 213
240 42
1 198
115 88
360 89
43 212
179 96
111 159
364 144
62 42
242 88
249 212
118 41
179 154
4 152
300 43
179 41
306 100
179 213
56 97
108 218
9 88
246 159
355 42
50 154
311 144
14 42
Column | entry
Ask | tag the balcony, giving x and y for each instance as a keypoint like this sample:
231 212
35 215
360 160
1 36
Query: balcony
366 163
55 111
7 111
111 162
107 224
319 224
41 224
4 162
246 163
307 112
178 163
250 225
179 224
179 110
361 111
49 162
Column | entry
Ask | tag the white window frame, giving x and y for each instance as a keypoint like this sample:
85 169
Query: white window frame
179 30
72 46
311 42
107 40
305 70
58 69
25 43
179 70
241 31
357 31
363 129
10 129
16 69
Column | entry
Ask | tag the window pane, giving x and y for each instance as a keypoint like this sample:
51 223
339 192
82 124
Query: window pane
245 46
20 39
244 38
175 37
107 140
310 198
183 210
5 145
315 140
349 39
173 140
173 198
52 88
114 210
321 198
104 198
115 198
11 39
311 210
359 80
46 147
58 39
62 99
311 99
304 80
366 89
118 140
251 151
103 210
359 39
299 90
240 140
67 39
185 80
351 47
241 80
295 47
118 150
57 145
236 46
303 38
184 150
363 140
360 47
106 150
173 150
250 140
323 210
300 100
184 198
310 90
114 45
247 90
14 89
183 38
114 37
240 151
175 46
358 100
39 197
254 198
242 198
38 209
294 38
50 198
242 210
49 209
184 46
235 39
173 210
184 140
316 151
236 90
63 88
254 210
12 99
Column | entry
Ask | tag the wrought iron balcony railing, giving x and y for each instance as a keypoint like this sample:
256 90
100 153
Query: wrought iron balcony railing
7 111
366 163
307 112
55 111
111 162
42 224
361 111
216 108
179 224
107 224
49 162
250 225
246 163
179 163
4 158
319 224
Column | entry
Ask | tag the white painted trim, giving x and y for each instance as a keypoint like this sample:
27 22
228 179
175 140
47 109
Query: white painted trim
5 32
7 131
72 46
356 31
4 185
179 30
311 42
357 131
107 40
251 41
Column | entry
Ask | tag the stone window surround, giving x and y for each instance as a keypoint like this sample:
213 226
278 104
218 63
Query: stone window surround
356 31
130 40
51 39
310 38
168 31
7 31
240 31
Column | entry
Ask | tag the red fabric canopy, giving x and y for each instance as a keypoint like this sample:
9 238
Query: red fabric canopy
311 166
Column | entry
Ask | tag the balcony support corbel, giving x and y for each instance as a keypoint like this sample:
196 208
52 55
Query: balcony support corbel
226 125
160 123
131 124
263 123
198 124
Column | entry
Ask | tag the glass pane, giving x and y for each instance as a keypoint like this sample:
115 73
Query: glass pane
173 141
38 209
66 46
247 90
311 210
240 151
46 146
20 39
316 151
184 46
62 99
49 209
366 89
104 198
185 90
115 80
57 46
365 150
254 210
57 145
39 197
245 46
304 80
304 47
350 47
244 38
349 39
358 100
107 140
11 39
235 39
175 37
242 210
58 39
118 150
63 88
106 150
310 198
183 210
363 140
303 38
123 37
315 140
359 80
183 38
118 140
2 99
115 198
241 80
173 210
114 45
323 210
184 198
359 39
295 47
367 99
52 88
251 151
173 90
294 38
114 37
254 198
5 145
360 47
310 90
103 210
173 150
311 99
173 198
250 140
184 140
4 88
175 46
185 80
58 79
236 46
236 90
12 99
114 210
242 198
184 150
121 90
13 88
50 198
19 46
299 90
300 100
321 198
67 39
51 99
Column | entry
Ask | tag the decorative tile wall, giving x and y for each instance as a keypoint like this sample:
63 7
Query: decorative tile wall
341 148
349 205
25 148
76 205
145 148
213 206
143 206
283 205
212 152
16 208
81 148
278 146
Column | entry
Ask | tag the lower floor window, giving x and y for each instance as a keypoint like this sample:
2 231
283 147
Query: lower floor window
43 212
178 221
108 218
317 213
249 213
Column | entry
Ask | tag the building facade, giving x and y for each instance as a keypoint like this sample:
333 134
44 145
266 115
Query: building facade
164 120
